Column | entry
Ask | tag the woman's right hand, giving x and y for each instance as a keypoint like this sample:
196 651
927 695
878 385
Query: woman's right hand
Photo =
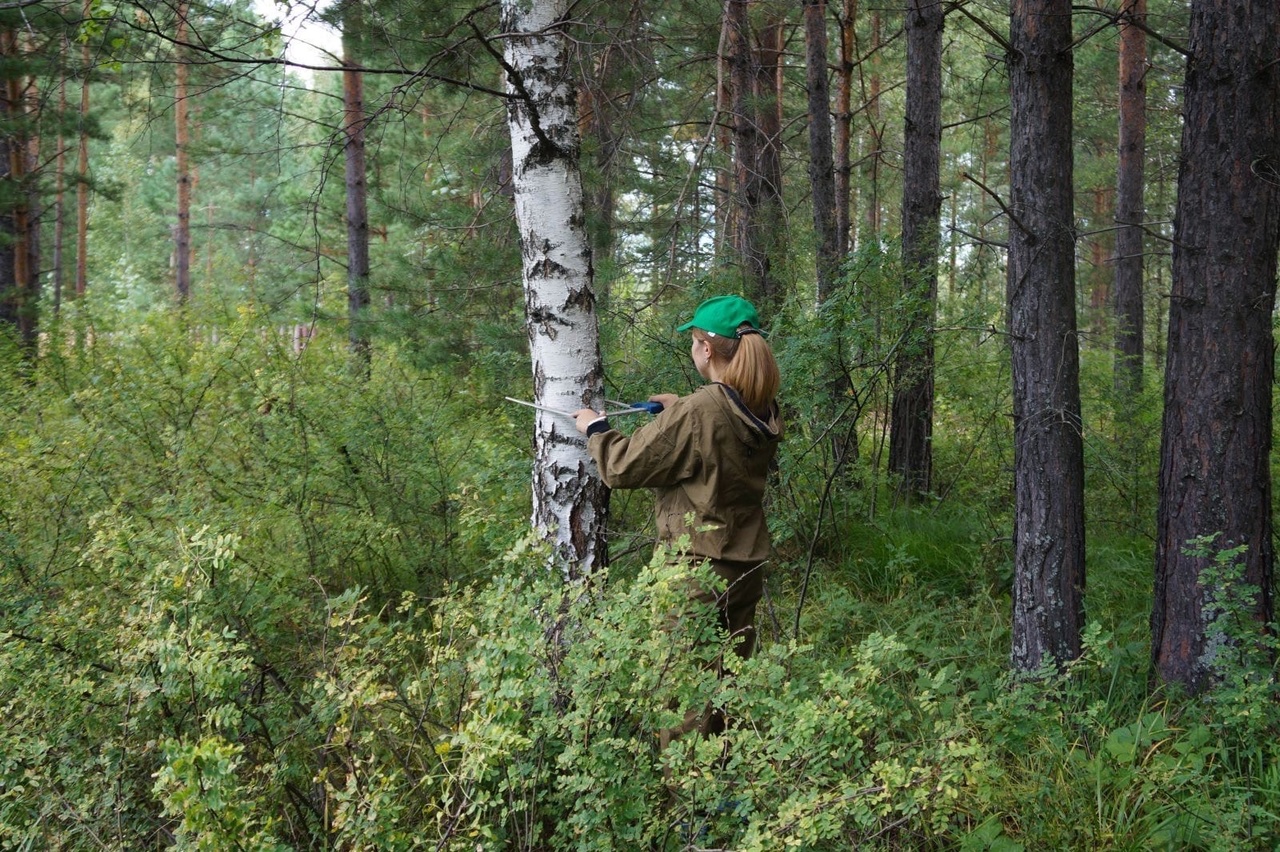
667 399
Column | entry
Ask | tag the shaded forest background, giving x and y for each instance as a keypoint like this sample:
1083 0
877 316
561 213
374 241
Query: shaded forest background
267 574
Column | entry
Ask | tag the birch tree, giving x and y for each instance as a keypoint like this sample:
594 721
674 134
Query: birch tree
569 500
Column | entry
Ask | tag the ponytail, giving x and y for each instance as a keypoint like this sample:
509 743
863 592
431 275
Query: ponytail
749 367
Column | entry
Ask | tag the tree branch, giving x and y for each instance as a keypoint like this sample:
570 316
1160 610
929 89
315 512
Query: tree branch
217 57
535 122
1013 218
58 646
984 26
980 240
1126 18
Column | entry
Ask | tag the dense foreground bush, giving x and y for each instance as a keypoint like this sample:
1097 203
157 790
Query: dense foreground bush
205 706
192 701
249 601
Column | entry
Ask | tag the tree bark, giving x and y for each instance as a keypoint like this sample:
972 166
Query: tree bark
60 185
30 321
600 119
594 108
1049 566
1219 372
9 294
874 137
911 430
1130 209
767 67
569 500
844 125
726 215
749 190
11 249
357 213
82 167
182 232
18 285
1098 277
821 161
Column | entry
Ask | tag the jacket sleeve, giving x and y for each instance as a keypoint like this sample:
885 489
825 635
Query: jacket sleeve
661 453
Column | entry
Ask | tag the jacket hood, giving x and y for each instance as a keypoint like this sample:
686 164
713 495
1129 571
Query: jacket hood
747 426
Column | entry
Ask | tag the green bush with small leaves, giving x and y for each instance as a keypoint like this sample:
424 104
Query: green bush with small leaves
249 599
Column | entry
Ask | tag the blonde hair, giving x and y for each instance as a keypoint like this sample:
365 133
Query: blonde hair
748 366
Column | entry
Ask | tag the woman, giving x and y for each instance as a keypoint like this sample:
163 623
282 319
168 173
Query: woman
707 457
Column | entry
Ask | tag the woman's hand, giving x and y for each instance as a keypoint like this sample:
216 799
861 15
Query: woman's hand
584 417
667 399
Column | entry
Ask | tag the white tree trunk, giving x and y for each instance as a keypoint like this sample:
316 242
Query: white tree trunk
569 499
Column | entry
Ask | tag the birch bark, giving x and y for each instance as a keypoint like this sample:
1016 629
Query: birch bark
569 500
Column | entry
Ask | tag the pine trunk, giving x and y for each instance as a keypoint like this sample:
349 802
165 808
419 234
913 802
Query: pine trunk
1216 441
749 190
874 137
30 325
911 430
767 67
821 160
10 248
726 220
600 119
1049 567
82 168
844 128
353 127
18 295
1130 209
1101 248
182 232
60 189
569 500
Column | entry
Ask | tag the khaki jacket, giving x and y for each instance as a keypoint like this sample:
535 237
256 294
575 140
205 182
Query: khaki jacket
705 455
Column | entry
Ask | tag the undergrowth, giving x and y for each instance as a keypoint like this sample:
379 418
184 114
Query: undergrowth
247 601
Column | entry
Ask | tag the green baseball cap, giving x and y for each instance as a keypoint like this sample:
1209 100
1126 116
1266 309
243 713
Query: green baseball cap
722 316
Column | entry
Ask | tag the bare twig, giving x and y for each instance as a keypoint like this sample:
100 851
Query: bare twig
1128 19
981 240
1000 201
984 26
